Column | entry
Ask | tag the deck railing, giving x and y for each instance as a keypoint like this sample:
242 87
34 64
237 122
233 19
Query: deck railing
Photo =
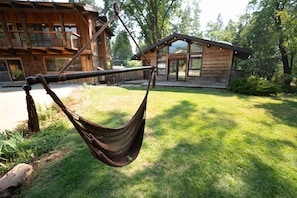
20 39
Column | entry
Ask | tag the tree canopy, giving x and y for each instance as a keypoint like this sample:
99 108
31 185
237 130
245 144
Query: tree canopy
152 17
121 50
269 31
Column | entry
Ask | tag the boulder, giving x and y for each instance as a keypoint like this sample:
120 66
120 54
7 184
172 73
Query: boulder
14 178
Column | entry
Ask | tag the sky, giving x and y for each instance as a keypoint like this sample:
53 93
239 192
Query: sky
229 9
210 9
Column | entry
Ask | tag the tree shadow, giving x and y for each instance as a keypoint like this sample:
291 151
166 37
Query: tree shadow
198 162
284 111
209 91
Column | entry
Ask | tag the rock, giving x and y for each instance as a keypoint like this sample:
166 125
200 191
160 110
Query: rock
14 178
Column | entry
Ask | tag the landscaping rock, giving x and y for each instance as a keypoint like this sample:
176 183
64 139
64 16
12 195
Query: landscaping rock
14 178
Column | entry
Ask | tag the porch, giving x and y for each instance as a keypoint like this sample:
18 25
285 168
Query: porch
188 84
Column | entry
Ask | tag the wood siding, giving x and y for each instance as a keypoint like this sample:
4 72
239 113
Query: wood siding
216 63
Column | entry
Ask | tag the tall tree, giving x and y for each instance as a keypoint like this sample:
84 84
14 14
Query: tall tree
151 16
186 19
215 30
268 32
121 49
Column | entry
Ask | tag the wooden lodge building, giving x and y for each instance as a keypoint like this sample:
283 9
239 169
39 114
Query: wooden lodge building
41 37
201 62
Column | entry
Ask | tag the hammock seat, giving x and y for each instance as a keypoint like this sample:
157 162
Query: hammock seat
113 146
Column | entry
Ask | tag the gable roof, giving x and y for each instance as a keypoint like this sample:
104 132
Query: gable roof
242 53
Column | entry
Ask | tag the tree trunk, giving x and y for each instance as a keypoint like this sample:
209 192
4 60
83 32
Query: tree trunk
285 61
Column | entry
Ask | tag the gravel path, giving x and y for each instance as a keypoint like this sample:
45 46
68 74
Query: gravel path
13 108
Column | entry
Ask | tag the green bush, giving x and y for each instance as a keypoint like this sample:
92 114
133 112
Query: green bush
287 83
133 63
9 145
253 86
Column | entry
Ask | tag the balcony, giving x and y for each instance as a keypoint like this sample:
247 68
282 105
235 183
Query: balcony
51 41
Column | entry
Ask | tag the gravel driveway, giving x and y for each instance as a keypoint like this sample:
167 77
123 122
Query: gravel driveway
13 108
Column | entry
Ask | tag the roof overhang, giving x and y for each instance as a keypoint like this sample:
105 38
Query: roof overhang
242 53
8 4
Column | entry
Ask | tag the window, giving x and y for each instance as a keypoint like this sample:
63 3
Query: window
56 64
196 48
22 34
195 65
178 47
161 61
71 35
161 68
39 35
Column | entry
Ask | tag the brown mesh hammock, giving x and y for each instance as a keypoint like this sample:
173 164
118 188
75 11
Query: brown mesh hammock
113 146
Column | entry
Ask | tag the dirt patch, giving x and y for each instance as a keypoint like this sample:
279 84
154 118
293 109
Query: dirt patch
38 164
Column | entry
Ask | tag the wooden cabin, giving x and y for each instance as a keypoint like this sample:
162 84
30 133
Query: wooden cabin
41 37
202 62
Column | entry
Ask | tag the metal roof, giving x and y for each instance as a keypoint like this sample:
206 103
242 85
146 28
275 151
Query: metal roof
242 53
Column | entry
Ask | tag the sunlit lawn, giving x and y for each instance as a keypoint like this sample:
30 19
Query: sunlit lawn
198 143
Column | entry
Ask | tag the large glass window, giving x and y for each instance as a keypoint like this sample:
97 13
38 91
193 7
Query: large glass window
56 64
178 46
195 65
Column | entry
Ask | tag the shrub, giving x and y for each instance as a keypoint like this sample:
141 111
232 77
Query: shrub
133 63
287 83
9 145
253 86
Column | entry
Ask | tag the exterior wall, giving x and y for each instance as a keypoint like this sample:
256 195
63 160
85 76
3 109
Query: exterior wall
216 63
62 46
151 56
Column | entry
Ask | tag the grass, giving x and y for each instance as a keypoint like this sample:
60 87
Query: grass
198 143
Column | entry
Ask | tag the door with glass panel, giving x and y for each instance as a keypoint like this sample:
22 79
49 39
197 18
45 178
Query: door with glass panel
181 69
177 70
172 70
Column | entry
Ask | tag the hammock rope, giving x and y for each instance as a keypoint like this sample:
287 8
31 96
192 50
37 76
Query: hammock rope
114 146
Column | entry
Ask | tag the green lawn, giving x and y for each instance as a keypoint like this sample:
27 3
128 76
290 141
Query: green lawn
197 143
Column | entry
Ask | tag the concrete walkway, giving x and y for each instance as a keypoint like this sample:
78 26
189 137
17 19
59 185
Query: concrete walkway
13 107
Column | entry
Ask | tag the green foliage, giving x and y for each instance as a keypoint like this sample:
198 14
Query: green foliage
14 148
121 49
133 63
215 30
286 87
186 19
10 142
152 17
270 31
253 86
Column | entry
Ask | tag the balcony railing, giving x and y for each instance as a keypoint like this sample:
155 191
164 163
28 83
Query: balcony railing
40 39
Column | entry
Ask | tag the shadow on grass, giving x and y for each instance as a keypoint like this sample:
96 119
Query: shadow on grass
193 160
219 92
285 111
